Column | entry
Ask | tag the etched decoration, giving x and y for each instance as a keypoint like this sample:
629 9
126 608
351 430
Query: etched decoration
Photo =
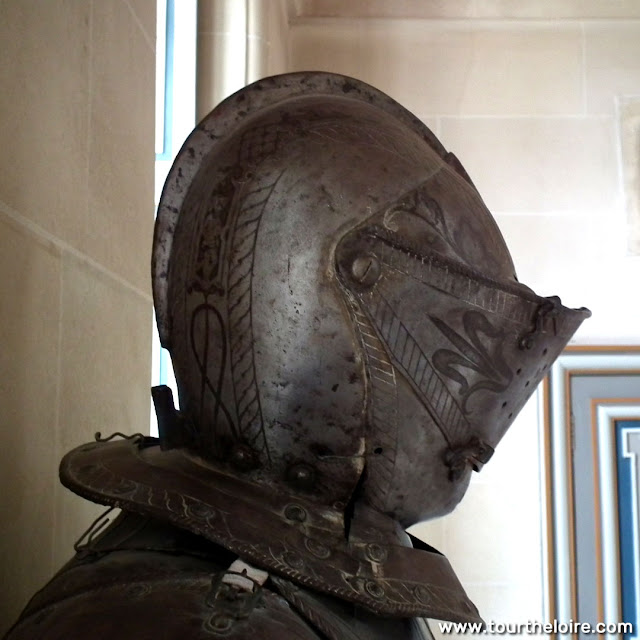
370 261
241 341
479 355
419 216
258 143
220 324
411 359
382 406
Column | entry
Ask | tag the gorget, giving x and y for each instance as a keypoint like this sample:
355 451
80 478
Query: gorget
291 536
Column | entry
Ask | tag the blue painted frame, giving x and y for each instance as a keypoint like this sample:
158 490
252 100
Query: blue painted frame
627 499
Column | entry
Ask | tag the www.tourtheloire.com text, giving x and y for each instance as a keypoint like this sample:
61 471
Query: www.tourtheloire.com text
515 628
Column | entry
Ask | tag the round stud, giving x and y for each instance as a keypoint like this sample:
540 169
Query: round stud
317 549
293 560
376 552
301 475
295 513
365 270
200 511
243 457
374 589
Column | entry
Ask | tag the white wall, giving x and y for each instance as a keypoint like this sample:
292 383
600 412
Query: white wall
526 95
530 107
76 219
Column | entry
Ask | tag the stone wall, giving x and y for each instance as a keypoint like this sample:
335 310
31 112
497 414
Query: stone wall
76 217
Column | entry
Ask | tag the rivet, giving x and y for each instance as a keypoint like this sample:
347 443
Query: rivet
243 457
295 513
365 270
301 475
317 548
526 343
374 589
200 511
293 560
376 552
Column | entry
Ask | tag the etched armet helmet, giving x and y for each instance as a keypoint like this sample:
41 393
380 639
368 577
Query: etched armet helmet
346 330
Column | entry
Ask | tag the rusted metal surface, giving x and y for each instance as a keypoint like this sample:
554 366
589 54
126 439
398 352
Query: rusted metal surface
349 340
335 295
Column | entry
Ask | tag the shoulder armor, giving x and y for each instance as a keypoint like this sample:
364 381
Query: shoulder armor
143 580
138 595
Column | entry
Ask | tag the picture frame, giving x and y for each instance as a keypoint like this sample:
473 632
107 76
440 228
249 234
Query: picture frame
592 486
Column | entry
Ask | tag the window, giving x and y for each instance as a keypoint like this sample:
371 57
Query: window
175 119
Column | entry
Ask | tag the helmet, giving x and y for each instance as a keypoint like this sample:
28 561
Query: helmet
348 336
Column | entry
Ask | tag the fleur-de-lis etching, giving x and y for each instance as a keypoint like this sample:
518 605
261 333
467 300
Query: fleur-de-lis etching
417 215
485 365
